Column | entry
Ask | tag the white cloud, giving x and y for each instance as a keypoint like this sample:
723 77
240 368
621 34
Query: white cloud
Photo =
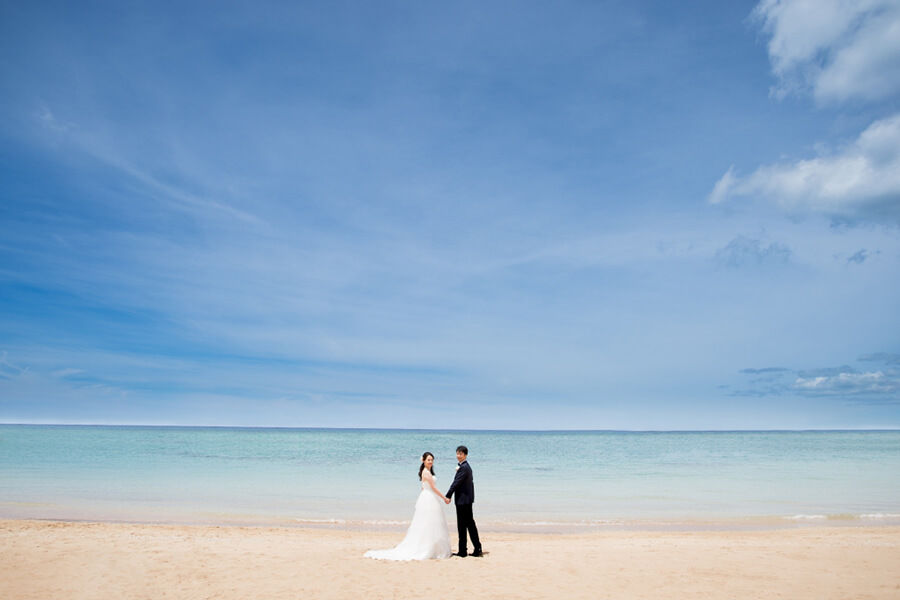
839 382
860 181
847 383
723 187
838 49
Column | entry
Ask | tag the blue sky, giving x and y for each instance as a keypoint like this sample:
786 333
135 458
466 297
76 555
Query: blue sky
501 215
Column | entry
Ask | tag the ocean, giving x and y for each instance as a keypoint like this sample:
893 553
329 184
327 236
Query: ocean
535 481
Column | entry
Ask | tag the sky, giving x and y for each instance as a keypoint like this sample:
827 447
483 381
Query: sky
638 215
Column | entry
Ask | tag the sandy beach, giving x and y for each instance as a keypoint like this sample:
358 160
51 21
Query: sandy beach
73 561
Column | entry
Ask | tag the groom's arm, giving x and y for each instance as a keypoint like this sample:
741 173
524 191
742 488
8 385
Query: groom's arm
461 475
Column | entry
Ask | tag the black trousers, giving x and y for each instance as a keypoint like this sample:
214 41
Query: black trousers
465 522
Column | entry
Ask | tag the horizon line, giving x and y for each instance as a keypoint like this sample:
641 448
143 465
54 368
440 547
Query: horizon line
447 430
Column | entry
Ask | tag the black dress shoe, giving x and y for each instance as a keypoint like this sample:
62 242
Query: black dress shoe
478 553
459 555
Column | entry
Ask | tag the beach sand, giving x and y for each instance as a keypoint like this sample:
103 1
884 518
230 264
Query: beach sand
72 561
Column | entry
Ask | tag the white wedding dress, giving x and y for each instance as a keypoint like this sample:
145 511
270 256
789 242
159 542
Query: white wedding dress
427 536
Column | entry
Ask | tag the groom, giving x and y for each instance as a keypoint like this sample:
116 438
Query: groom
465 496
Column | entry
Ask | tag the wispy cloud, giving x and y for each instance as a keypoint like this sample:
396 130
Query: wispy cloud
7 369
885 357
120 156
66 372
860 257
764 370
744 251
50 122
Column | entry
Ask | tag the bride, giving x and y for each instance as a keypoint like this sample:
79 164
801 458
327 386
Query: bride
427 536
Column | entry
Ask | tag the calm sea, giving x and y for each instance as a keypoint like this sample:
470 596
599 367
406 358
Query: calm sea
523 480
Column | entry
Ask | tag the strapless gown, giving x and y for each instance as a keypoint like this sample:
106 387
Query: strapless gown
427 536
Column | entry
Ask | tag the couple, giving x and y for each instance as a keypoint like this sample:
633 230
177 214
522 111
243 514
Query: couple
427 536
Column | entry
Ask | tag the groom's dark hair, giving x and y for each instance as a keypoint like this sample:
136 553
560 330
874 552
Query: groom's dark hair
462 449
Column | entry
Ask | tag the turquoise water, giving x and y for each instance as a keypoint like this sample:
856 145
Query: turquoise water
526 480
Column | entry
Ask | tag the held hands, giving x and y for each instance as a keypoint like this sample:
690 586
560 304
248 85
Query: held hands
446 500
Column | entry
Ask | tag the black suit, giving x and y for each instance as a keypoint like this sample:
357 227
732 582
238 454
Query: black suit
464 487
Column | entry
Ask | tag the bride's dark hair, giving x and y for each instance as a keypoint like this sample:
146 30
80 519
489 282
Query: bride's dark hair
422 466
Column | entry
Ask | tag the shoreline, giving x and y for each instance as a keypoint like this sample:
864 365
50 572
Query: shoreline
13 511
78 561
570 527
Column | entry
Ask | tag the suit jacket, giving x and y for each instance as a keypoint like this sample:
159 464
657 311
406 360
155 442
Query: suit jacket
463 485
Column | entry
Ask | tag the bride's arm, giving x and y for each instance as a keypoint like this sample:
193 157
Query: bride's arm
429 478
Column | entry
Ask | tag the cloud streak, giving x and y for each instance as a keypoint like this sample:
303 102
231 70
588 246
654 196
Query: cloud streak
744 251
